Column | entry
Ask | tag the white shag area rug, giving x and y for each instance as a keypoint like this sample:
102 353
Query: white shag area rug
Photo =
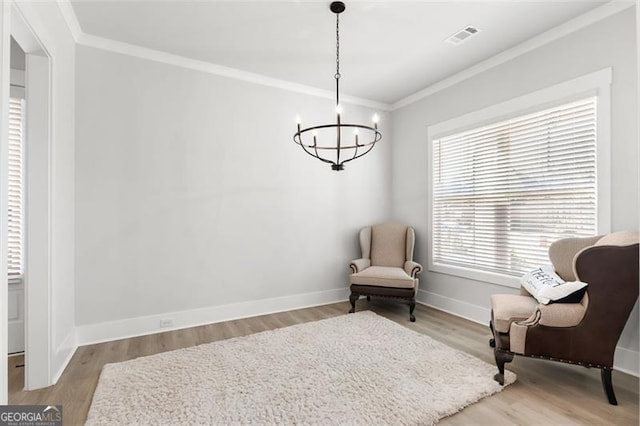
353 369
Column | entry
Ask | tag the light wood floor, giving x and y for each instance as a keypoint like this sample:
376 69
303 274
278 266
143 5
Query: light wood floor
545 393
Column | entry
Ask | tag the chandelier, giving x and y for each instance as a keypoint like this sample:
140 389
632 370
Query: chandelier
341 146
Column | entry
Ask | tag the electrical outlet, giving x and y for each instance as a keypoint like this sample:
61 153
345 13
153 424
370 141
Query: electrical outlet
166 322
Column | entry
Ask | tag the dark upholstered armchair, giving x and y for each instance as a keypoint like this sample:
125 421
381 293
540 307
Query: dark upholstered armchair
386 268
584 333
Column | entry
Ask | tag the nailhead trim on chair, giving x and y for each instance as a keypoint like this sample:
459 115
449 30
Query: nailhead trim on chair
566 361
388 297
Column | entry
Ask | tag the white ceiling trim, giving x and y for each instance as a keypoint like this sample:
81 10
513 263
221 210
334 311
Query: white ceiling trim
70 18
562 30
194 64
168 58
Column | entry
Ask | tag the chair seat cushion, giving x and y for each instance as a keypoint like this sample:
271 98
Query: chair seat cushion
383 276
510 307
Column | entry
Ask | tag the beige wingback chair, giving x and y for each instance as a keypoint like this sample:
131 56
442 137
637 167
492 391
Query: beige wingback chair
386 268
584 333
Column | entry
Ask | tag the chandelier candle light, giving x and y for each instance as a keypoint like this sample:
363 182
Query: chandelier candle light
341 150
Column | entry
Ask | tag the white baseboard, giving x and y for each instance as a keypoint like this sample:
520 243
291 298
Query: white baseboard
63 355
625 360
456 307
131 327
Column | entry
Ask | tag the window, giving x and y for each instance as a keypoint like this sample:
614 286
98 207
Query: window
16 188
503 190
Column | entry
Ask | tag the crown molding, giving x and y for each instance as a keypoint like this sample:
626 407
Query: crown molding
180 61
70 18
220 70
128 49
555 33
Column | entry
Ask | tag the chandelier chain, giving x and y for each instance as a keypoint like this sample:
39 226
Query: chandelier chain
337 46
345 147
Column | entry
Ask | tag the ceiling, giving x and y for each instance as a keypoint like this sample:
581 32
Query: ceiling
389 49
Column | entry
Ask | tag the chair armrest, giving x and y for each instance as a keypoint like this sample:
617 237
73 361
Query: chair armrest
412 268
558 314
358 265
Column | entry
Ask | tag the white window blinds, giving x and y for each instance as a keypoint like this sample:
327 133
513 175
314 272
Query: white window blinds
16 189
503 192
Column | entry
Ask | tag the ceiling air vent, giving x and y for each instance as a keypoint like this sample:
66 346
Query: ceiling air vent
462 35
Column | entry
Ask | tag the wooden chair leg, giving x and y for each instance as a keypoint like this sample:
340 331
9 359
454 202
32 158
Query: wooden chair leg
352 300
492 341
607 385
501 359
412 306
368 298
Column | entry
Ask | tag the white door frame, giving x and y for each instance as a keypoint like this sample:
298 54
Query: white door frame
37 275
5 43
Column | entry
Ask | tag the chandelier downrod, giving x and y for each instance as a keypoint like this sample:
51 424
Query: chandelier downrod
350 151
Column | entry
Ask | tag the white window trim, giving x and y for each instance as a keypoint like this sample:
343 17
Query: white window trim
597 83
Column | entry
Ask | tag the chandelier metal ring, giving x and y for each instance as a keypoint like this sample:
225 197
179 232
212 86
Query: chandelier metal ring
343 153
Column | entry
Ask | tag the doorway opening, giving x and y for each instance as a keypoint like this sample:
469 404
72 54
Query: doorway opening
15 216
15 194
29 265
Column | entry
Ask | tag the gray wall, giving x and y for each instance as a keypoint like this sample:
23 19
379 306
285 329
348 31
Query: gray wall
190 192
608 43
